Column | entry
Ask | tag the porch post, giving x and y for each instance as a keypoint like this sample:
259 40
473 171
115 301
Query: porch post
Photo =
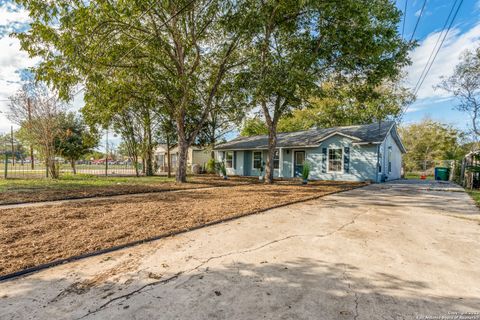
280 160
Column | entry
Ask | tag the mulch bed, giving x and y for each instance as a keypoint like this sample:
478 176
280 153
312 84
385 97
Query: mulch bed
31 236
36 194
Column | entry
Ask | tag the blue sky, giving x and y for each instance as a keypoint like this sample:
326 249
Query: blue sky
465 34
437 104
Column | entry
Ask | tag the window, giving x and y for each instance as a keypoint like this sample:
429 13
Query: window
335 160
160 160
229 159
276 160
389 159
173 160
257 159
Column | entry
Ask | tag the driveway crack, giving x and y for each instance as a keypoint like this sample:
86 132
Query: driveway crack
350 289
204 262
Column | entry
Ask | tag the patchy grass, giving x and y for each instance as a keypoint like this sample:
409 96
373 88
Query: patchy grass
85 186
413 175
76 181
30 236
475 194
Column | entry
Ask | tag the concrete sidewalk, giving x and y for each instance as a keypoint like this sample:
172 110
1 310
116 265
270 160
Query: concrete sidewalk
387 251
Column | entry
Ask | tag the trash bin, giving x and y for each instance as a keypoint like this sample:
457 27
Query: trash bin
442 173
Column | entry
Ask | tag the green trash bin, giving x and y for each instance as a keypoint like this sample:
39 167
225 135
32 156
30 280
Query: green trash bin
442 173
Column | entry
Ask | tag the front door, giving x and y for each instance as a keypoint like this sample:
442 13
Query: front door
299 160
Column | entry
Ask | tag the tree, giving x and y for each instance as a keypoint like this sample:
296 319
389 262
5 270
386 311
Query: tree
295 45
253 127
465 85
75 139
37 111
177 51
429 140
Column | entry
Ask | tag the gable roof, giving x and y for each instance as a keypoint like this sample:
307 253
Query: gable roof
373 133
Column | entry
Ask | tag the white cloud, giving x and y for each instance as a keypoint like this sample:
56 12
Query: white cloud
417 13
11 13
448 56
12 59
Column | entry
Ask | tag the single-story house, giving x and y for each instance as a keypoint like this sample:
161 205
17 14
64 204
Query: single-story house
371 152
196 155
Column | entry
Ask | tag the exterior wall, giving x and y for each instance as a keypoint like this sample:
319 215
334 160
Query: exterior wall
396 169
363 161
200 157
239 166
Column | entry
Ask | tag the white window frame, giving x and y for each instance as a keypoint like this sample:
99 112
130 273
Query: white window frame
276 151
253 159
342 158
226 161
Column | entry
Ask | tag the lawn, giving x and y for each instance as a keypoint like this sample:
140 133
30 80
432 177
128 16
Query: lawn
84 186
30 236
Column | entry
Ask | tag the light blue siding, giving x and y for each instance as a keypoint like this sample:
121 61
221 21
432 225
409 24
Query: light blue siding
362 160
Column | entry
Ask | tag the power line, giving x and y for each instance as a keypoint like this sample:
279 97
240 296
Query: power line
419 84
404 17
418 20
435 51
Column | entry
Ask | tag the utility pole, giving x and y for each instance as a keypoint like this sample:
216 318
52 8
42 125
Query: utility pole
29 111
13 147
6 159
106 154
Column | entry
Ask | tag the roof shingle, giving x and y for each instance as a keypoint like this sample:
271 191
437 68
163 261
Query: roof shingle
369 133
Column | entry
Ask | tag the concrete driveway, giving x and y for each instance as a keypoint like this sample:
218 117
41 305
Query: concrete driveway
405 250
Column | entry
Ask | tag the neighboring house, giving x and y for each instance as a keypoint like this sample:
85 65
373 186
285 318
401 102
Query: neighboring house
370 152
196 155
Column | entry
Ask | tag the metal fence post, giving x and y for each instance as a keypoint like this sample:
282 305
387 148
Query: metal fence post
6 166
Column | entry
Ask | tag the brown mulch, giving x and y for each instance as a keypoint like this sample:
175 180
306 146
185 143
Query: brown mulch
31 236
26 195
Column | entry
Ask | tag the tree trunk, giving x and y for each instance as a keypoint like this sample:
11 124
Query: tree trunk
32 164
169 169
181 175
74 168
52 168
272 144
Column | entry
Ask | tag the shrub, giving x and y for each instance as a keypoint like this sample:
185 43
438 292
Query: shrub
223 169
211 166
306 171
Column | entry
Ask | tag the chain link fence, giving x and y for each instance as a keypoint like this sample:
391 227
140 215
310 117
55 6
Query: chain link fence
25 170
426 168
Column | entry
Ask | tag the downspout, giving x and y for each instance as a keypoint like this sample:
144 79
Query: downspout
378 163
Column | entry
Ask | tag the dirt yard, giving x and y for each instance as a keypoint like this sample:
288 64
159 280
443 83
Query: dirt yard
31 236
47 190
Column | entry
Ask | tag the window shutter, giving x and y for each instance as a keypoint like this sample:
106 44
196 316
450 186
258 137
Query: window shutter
234 159
324 160
346 160
223 156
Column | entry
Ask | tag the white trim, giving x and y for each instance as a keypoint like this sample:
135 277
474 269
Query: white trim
280 162
253 159
340 134
233 160
342 158
293 159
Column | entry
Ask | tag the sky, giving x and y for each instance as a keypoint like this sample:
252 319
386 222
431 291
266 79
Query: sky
434 103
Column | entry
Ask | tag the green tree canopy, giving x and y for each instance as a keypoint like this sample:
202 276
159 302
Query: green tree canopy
430 140
74 140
